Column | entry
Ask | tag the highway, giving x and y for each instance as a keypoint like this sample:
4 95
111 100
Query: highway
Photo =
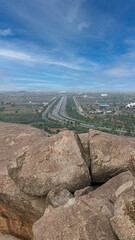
59 112
45 113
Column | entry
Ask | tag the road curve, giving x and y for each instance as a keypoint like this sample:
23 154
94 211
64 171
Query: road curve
44 115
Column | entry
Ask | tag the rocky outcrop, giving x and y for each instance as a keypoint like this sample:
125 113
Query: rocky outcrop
109 155
49 185
123 221
76 220
52 162
82 218
18 211
7 237
14 140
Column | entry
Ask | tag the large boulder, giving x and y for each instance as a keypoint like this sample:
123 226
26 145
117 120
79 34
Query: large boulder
123 221
51 162
18 211
109 154
103 198
15 139
76 220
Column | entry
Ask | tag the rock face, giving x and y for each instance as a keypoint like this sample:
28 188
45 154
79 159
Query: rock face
76 220
83 191
18 211
7 237
57 197
123 221
84 137
131 167
48 186
109 154
55 161
108 189
15 139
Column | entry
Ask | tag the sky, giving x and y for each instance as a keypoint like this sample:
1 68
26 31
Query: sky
48 45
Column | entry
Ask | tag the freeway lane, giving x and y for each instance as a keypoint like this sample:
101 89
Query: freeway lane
44 115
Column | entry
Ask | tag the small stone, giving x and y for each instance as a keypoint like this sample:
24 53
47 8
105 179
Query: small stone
57 197
83 191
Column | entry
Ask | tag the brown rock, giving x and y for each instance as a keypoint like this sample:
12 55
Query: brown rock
84 137
18 211
131 165
83 191
52 162
109 154
7 237
108 189
14 140
57 197
123 221
76 220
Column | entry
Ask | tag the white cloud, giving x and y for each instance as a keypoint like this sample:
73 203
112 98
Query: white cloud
83 25
120 72
15 55
6 32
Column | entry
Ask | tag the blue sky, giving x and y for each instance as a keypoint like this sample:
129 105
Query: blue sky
67 45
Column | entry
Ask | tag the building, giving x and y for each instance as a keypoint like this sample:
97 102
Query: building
104 95
130 105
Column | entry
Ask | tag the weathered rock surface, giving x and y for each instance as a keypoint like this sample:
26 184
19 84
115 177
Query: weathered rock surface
84 137
131 164
104 197
15 139
76 220
109 154
83 191
57 197
52 162
123 221
7 237
18 211
131 167
108 189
